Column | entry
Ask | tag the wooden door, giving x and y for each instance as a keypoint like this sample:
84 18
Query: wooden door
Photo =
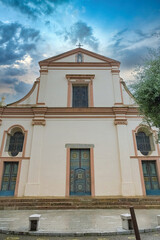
9 178
80 177
150 178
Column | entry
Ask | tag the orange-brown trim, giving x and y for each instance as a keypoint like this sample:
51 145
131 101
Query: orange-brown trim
43 70
2 144
92 172
80 76
146 157
121 91
15 158
125 87
91 93
115 71
18 173
39 122
121 121
141 171
135 143
68 173
80 79
121 103
78 50
30 111
5 137
38 92
142 177
79 64
69 94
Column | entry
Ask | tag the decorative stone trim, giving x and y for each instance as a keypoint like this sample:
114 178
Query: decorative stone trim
52 111
43 71
120 110
80 76
39 122
120 122
78 145
115 71
39 111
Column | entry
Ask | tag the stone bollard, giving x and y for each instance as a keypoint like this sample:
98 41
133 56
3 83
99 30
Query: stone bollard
34 222
158 219
127 223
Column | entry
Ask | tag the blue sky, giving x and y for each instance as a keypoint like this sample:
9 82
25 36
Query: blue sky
34 30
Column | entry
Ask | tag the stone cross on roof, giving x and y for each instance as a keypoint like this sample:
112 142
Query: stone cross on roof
79 45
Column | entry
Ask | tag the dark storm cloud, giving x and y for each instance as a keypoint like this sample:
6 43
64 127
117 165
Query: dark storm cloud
81 32
11 71
131 46
19 89
34 8
133 57
8 80
16 41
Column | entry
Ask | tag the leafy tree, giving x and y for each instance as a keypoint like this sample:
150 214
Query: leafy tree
146 89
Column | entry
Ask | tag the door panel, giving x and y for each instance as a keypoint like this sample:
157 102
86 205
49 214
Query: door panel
150 177
9 179
80 179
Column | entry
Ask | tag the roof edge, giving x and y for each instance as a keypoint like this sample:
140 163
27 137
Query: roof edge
76 50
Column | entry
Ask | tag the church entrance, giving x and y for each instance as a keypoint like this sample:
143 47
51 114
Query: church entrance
9 179
150 178
80 176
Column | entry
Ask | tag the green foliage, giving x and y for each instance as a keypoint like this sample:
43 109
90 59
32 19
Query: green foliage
146 88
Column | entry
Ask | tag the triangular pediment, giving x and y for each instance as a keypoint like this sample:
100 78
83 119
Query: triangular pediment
70 57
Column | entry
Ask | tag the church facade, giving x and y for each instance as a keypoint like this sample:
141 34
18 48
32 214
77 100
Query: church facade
77 133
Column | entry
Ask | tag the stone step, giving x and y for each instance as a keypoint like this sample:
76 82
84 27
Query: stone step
78 203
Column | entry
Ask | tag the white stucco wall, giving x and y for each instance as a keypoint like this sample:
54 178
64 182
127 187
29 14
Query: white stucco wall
43 168
54 87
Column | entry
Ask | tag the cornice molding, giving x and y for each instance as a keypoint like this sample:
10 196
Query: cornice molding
49 61
120 122
120 110
115 71
78 64
80 76
41 122
49 111
39 111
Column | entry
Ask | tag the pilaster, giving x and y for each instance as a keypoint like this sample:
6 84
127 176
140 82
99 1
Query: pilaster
38 123
127 185
118 100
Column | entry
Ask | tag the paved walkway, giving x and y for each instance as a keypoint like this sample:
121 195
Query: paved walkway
72 222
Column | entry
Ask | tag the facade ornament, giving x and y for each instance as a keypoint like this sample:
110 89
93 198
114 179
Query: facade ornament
38 122
120 122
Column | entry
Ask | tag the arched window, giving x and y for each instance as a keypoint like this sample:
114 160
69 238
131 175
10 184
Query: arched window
143 142
14 141
79 57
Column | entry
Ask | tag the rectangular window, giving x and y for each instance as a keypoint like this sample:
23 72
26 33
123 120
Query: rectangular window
80 96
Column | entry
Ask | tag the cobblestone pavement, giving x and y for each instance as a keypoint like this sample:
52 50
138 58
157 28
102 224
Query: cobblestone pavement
144 236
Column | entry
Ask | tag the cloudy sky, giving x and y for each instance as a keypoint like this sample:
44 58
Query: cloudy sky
32 30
